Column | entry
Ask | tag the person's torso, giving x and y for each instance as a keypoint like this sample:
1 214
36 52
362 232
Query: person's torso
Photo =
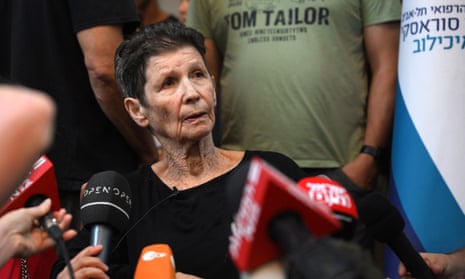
294 76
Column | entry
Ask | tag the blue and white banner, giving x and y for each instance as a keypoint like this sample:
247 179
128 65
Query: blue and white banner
428 153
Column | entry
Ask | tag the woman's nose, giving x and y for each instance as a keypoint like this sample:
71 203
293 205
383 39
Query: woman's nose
188 90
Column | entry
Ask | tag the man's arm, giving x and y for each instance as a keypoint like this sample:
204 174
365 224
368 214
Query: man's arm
214 59
99 45
382 44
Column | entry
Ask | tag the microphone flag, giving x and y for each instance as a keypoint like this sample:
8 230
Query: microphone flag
156 261
267 193
428 151
40 180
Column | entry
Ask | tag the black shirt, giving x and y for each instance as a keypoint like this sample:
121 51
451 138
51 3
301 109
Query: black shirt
195 223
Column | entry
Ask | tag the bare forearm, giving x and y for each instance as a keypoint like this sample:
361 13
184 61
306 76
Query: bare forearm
380 109
6 249
111 103
99 46
381 43
457 262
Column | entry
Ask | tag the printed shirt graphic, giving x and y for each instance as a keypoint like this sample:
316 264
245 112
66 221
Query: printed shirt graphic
293 77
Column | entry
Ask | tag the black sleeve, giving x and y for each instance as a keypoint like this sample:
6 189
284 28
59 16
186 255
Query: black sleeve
90 13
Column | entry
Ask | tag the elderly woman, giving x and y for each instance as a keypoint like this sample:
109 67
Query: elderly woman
168 89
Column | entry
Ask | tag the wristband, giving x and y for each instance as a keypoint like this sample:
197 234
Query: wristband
375 152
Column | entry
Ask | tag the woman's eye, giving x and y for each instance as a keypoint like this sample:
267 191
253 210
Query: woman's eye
168 82
199 74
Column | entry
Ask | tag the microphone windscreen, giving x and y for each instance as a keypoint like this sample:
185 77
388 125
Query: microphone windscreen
40 181
381 218
266 194
106 200
155 261
336 197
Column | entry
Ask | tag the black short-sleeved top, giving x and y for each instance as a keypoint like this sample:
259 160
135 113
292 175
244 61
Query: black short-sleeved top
40 50
195 223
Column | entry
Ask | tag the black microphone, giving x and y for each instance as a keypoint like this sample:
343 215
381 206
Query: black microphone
386 225
105 207
46 222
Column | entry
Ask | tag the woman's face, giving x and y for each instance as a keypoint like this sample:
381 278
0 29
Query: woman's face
180 95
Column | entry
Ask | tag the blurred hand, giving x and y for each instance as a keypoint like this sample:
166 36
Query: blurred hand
180 275
443 265
362 171
87 265
21 235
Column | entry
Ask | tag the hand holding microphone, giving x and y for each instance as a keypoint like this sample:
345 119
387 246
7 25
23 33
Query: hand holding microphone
105 208
268 200
386 224
382 219
21 235
86 264
278 221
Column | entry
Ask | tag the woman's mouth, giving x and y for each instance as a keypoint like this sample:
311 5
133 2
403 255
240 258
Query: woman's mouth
195 116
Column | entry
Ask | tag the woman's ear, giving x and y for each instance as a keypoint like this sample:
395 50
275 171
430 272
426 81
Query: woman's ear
136 111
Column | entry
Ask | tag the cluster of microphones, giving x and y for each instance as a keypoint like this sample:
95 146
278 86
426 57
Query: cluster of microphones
281 229
306 227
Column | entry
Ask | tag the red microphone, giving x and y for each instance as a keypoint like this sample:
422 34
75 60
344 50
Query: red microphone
155 261
267 196
40 181
335 196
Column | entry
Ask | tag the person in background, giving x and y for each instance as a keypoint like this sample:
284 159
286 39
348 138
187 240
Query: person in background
67 51
447 266
150 12
182 10
168 89
314 80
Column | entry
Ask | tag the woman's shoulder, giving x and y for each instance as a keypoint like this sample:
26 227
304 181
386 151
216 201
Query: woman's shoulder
272 155
137 174
141 176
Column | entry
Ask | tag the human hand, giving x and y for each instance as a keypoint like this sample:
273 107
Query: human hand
362 171
442 265
87 265
180 275
22 237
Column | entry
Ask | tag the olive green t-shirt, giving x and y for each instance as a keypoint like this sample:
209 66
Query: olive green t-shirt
294 76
